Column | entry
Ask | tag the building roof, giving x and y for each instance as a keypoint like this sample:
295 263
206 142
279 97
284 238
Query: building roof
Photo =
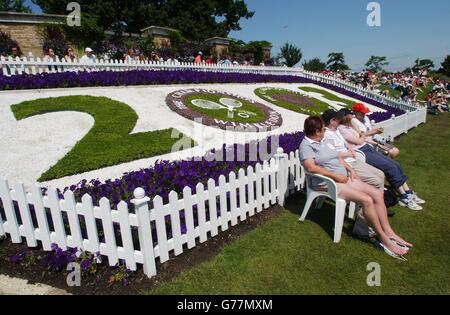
158 30
218 40
31 18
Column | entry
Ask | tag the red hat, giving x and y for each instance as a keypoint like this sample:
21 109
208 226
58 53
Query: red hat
360 108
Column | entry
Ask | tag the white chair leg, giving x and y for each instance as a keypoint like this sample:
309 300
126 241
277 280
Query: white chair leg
320 201
339 219
352 211
309 201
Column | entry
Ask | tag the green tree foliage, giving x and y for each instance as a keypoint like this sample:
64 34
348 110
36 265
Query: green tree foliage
291 54
376 63
336 62
315 65
14 6
6 44
423 63
196 19
446 66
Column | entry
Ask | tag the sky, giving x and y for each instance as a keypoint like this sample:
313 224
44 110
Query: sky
410 29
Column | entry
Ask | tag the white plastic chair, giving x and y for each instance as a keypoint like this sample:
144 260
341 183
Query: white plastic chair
332 193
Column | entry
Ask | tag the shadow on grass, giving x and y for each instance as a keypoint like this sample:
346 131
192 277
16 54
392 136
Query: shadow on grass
323 217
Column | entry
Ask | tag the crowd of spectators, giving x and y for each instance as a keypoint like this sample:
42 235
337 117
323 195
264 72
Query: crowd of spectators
411 87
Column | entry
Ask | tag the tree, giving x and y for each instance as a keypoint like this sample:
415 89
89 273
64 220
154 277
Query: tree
336 62
376 63
315 65
423 63
196 19
14 5
446 66
291 54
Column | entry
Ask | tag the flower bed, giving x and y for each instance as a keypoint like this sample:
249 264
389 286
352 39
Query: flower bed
213 109
293 101
145 77
166 176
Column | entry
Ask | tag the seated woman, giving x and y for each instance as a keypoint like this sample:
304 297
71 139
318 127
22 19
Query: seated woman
319 158
393 170
362 124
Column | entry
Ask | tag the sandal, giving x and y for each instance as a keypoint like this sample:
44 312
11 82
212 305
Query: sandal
391 253
401 245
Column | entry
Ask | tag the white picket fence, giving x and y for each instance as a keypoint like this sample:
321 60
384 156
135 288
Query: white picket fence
387 100
397 126
57 221
16 66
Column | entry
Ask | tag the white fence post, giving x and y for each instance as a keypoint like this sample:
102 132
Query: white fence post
145 231
282 175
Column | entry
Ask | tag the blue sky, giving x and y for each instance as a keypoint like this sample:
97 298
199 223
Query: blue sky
410 29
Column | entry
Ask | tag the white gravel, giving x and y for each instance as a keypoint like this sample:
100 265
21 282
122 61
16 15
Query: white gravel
31 146
16 286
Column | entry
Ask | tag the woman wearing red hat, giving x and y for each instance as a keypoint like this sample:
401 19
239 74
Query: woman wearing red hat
362 124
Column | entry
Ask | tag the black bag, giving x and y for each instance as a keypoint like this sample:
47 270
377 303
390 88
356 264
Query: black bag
390 197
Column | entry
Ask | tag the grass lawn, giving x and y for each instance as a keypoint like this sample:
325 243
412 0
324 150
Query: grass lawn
287 257
108 143
254 113
328 95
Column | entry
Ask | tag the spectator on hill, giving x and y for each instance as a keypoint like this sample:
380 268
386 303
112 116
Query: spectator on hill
155 57
70 55
89 56
51 57
393 170
319 158
15 52
209 60
199 59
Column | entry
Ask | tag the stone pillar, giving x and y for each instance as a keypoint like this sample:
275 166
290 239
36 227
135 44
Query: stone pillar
219 46
161 35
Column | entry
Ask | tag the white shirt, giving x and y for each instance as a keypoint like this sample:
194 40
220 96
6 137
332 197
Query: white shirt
87 59
336 139
363 127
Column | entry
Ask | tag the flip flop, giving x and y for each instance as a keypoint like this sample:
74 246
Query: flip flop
401 245
392 254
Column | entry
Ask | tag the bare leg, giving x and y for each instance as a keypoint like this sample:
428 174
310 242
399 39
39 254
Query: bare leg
380 207
349 193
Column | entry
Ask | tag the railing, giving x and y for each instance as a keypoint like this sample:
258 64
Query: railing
390 101
16 66
397 126
163 229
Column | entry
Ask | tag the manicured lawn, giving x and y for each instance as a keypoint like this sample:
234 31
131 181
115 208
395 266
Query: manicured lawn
287 257
292 101
108 143
328 95
255 114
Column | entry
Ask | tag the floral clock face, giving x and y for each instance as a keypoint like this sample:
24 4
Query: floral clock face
223 110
